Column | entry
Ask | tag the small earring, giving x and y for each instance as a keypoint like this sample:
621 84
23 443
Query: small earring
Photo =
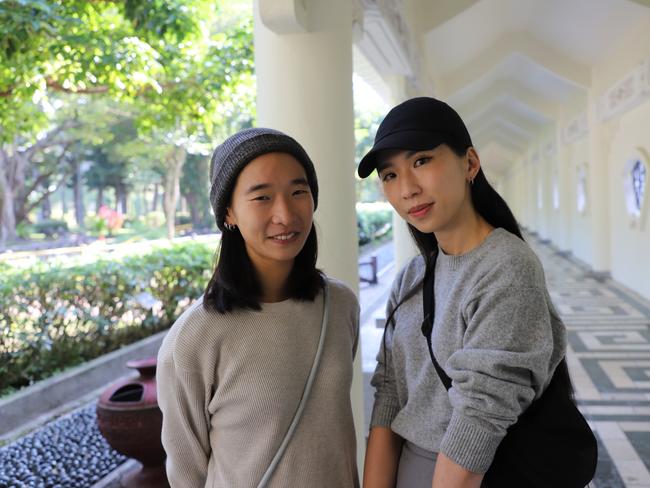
230 227
471 181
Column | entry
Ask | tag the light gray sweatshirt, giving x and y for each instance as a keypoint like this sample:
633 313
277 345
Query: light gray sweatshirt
496 334
229 385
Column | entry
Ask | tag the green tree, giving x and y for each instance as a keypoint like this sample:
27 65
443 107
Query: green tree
365 128
183 73
195 189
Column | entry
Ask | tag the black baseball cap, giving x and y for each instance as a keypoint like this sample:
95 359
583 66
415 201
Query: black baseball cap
418 124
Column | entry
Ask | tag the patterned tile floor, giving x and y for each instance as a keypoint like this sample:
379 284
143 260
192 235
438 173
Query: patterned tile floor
608 328
609 359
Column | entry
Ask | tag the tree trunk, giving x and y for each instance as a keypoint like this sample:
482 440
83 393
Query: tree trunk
120 199
142 198
7 216
195 214
13 165
154 204
64 202
174 162
124 196
79 212
14 162
100 199
46 209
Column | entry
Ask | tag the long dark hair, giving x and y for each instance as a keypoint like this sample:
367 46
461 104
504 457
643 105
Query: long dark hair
235 283
493 208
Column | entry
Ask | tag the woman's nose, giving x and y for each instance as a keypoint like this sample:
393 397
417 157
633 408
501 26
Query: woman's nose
283 211
409 186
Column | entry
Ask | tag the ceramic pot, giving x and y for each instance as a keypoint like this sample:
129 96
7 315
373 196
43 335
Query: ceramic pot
131 422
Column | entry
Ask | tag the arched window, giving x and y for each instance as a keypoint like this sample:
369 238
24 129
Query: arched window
635 177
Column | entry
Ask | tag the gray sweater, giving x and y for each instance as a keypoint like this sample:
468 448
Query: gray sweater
496 334
228 387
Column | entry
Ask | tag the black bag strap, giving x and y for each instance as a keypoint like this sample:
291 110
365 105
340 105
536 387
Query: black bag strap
428 304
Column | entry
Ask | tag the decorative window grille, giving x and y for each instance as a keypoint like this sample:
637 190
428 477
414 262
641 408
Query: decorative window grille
581 190
635 178
638 185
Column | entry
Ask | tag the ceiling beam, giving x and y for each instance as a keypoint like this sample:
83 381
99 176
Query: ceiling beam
504 106
520 42
500 89
430 14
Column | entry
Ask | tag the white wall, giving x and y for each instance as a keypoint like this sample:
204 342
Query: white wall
630 243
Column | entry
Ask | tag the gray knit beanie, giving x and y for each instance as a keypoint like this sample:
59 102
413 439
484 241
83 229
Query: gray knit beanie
230 157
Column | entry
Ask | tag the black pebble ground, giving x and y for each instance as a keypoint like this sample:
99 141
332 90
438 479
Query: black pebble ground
68 452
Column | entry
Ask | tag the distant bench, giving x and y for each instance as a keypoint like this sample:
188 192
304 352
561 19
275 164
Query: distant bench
372 262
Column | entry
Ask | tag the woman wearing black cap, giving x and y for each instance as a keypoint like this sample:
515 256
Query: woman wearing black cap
254 378
495 334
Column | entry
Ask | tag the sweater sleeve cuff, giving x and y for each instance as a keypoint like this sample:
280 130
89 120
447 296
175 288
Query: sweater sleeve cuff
468 445
383 414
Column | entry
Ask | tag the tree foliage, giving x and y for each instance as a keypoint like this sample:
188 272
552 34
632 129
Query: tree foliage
177 70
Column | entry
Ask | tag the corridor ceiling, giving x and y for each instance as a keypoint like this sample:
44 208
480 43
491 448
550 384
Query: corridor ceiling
509 66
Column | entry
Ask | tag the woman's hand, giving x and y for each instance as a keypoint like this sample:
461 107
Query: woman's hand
382 458
448 474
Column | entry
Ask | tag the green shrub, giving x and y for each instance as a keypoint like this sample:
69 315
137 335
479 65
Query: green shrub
96 225
183 219
23 230
51 319
154 219
51 228
374 221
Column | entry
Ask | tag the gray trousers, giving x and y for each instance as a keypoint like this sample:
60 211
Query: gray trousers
416 465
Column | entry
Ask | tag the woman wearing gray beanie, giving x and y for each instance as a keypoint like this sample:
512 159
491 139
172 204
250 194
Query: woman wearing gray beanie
254 378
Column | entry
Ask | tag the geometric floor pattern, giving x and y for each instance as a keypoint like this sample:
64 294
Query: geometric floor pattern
608 356
608 328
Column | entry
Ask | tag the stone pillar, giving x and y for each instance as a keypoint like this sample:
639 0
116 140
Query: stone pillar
303 64
403 243
564 188
597 189
404 247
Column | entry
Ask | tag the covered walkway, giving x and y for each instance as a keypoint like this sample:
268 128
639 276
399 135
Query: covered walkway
609 360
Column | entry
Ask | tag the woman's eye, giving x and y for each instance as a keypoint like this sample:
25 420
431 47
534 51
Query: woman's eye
261 198
421 161
301 192
387 177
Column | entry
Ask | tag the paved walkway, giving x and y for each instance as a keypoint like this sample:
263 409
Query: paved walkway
609 359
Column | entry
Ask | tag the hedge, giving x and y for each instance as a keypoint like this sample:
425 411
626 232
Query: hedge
51 319
374 220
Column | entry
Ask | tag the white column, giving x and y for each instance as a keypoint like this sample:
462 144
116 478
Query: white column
597 188
404 246
564 184
304 88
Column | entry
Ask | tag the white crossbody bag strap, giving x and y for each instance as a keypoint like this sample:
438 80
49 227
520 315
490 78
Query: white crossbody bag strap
305 394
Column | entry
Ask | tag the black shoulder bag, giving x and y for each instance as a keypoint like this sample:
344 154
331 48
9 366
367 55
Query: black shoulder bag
550 445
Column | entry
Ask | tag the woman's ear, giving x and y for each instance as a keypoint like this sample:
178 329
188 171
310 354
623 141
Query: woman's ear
473 164
230 217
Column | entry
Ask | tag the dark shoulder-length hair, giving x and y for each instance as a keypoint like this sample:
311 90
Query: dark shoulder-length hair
235 283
